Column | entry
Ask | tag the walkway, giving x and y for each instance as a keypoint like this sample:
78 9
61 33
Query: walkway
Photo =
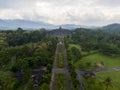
57 70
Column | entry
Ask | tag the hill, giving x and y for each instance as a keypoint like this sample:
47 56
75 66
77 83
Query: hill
115 27
25 24
28 24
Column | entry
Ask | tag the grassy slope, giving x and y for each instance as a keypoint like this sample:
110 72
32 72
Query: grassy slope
109 62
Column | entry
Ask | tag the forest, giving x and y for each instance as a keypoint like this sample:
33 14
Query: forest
26 57
95 54
23 54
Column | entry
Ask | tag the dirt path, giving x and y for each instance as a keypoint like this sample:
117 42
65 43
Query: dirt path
57 70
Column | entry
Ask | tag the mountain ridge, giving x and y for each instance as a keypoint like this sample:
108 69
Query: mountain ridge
29 24
8 24
25 24
114 27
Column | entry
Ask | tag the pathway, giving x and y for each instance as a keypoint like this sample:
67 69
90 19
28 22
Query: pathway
81 72
108 70
79 77
57 70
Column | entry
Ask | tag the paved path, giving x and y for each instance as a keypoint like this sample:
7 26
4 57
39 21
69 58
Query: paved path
79 77
80 73
66 68
108 70
52 83
57 70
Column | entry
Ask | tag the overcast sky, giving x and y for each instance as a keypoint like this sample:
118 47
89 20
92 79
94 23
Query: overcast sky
83 12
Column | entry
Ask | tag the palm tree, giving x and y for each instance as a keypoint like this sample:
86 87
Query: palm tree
108 83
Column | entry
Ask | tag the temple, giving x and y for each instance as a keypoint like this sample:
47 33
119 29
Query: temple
60 32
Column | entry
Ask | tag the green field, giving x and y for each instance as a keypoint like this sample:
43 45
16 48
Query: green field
94 57
89 60
60 82
98 83
115 76
110 62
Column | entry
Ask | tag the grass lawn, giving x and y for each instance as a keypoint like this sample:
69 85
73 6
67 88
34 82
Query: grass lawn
60 82
98 83
110 62
115 76
60 60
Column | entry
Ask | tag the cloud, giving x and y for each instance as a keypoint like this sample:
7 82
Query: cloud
90 12
108 3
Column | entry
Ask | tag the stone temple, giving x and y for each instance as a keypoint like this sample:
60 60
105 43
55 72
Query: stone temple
60 32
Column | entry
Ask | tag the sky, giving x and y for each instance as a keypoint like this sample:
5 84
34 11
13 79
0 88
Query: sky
81 12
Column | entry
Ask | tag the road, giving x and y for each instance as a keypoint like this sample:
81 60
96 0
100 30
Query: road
57 70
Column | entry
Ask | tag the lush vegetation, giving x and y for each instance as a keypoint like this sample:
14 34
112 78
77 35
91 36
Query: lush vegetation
89 62
103 81
60 56
60 60
72 53
22 52
25 52
108 44
19 37
94 49
113 75
60 82
60 47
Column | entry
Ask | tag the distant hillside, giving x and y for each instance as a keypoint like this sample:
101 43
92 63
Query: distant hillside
112 27
70 26
74 26
25 24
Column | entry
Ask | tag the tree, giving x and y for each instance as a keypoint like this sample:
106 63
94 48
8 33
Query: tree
44 86
19 29
7 81
108 83
76 52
